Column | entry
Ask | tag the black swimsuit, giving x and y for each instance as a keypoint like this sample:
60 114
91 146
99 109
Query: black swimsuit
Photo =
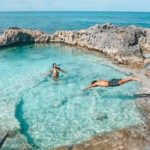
114 82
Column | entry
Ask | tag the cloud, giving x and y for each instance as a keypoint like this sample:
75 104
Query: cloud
97 5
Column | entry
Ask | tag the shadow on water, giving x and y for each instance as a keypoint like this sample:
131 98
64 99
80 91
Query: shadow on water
128 97
2 141
41 82
120 96
21 45
19 114
142 95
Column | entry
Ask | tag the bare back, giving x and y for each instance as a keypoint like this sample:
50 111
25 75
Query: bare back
102 83
111 83
55 73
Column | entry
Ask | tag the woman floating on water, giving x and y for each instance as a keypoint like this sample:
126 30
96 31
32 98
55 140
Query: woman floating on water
111 83
55 71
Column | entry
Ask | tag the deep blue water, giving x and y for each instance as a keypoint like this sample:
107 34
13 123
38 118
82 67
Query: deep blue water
52 21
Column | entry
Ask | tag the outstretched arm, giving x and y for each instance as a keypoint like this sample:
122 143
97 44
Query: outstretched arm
61 70
89 87
48 74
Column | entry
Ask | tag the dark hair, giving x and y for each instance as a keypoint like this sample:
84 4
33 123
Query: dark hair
54 64
93 81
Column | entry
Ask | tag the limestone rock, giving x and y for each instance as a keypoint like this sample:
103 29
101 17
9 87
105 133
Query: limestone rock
125 45
22 36
120 43
125 139
147 73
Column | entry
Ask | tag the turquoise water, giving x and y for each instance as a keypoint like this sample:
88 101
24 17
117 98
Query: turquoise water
54 113
53 21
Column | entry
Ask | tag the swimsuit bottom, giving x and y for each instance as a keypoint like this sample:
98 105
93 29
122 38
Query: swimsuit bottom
114 82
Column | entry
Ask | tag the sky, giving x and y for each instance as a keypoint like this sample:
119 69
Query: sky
75 5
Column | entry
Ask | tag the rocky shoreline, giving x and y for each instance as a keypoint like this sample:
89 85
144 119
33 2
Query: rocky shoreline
125 46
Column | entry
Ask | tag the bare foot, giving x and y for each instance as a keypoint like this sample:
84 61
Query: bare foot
136 79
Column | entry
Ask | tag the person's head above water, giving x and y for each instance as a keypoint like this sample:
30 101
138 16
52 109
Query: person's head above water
93 81
54 65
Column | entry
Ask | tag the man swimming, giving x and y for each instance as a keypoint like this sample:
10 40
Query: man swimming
55 71
111 83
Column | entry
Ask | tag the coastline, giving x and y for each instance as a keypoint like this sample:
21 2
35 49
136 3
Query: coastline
133 137
125 45
137 137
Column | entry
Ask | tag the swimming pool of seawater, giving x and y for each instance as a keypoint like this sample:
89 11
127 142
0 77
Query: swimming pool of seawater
54 113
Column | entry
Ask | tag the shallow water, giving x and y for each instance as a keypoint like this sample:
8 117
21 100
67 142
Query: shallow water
53 113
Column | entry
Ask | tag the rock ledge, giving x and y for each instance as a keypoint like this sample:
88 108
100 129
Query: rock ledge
125 45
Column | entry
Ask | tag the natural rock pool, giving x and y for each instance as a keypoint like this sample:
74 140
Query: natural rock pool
54 113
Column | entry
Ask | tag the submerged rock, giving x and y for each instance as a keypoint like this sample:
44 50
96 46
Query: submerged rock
125 139
147 73
125 45
100 116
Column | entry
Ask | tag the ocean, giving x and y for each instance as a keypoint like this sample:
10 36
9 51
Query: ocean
53 21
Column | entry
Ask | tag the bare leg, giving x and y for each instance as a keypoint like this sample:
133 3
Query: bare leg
123 81
55 78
